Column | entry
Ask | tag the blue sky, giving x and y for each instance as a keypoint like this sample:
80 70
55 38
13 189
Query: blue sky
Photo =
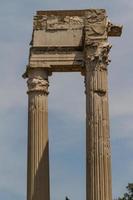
66 103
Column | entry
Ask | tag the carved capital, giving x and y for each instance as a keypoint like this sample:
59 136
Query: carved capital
37 84
97 55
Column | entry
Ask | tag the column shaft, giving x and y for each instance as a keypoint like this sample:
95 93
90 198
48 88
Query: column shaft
38 146
98 161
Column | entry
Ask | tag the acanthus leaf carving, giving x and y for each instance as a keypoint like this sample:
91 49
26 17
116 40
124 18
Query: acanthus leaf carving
37 84
97 55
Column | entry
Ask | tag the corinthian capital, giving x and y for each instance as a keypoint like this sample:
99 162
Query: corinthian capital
97 55
37 82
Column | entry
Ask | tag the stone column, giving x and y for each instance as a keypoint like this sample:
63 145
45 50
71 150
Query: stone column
98 161
38 146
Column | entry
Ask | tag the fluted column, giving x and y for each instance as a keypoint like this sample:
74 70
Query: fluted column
98 161
38 146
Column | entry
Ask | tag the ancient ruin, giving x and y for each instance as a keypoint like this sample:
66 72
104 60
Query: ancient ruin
70 41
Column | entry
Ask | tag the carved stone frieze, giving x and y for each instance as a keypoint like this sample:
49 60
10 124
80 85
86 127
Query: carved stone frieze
39 22
95 15
65 23
95 30
95 24
58 22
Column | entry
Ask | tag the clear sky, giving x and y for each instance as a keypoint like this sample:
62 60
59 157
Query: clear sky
66 103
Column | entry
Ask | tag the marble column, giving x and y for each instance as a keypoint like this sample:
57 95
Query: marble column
98 161
38 146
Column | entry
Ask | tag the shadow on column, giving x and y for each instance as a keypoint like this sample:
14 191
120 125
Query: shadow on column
41 180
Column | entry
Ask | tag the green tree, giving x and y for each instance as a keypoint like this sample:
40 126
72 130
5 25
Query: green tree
129 194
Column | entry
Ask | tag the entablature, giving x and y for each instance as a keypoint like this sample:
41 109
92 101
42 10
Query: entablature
59 38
